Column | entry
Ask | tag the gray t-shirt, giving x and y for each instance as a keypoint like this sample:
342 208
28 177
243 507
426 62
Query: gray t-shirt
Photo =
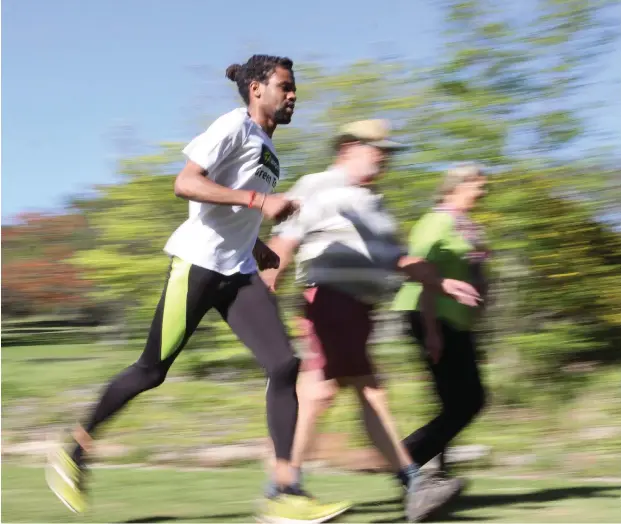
347 237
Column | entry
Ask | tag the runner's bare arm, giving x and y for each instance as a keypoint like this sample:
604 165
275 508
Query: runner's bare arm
428 309
433 334
420 270
415 269
192 184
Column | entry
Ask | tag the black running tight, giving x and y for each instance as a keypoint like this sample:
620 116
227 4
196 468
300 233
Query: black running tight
251 311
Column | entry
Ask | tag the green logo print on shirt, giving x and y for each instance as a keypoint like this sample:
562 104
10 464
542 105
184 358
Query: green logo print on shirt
269 168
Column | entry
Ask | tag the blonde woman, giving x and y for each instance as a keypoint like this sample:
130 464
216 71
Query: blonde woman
448 238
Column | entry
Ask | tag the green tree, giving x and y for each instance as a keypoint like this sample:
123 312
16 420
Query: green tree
130 223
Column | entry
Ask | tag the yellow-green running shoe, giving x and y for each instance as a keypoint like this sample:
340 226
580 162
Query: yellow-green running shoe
290 507
65 479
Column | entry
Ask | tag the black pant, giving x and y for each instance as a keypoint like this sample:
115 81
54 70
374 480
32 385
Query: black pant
458 384
249 308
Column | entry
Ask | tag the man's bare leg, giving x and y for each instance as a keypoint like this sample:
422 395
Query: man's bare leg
315 395
379 422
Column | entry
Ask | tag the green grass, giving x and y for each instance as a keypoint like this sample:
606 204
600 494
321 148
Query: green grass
141 495
49 387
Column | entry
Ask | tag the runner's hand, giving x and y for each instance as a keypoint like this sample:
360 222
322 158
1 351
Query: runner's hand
463 292
278 207
265 257
269 278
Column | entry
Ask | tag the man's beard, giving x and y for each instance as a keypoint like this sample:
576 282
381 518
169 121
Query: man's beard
282 116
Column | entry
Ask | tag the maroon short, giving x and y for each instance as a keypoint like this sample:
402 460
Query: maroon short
335 328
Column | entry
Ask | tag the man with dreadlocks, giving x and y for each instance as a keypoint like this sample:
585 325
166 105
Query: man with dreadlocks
215 254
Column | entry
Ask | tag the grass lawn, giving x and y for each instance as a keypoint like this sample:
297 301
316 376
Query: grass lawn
228 495
45 389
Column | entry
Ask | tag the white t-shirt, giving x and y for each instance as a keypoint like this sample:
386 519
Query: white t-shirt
236 153
347 237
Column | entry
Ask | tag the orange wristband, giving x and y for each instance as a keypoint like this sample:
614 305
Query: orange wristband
253 196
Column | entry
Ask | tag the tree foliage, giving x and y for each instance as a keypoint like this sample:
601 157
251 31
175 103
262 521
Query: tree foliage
37 276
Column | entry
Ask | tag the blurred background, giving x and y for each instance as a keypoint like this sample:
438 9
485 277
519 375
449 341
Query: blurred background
98 101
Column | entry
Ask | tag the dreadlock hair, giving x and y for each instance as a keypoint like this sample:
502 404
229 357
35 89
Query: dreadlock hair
259 68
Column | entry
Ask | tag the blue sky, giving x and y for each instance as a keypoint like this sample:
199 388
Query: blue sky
74 81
